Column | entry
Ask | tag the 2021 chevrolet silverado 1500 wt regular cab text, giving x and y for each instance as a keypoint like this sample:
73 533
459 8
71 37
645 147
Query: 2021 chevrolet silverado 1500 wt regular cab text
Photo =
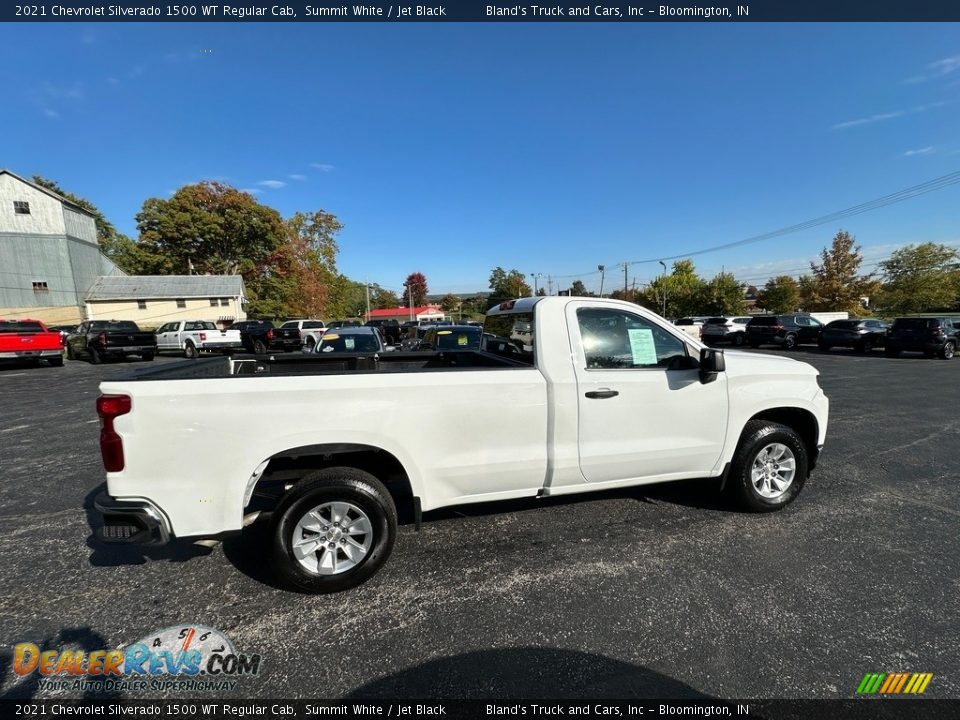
566 395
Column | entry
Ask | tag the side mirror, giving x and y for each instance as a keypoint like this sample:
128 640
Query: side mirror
712 362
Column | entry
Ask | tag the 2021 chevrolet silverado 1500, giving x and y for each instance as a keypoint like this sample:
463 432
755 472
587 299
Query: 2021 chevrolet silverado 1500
566 395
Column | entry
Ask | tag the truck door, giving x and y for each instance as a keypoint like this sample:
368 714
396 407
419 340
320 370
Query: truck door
164 334
643 411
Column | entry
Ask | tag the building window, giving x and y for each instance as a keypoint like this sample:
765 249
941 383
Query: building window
181 303
224 302
39 286
21 207
213 302
141 304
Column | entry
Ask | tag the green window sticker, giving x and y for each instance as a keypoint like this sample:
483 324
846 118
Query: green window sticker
642 347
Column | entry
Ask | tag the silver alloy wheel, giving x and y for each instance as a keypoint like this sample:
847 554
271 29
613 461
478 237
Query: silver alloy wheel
332 538
773 470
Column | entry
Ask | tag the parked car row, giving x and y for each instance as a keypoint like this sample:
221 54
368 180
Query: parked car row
932 336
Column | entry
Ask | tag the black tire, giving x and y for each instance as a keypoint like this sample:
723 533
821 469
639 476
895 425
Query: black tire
95 357
754 345
148 356
259 348
824 347
55 361
190 351
891 352
338 484
757 435
739 339
71 355
948 350
311 343
866 346
790 341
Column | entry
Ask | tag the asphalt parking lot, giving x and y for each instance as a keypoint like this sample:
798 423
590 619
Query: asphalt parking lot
659 592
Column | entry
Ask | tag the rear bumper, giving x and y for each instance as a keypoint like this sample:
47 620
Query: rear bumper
18 354
217 346
127 350
131 521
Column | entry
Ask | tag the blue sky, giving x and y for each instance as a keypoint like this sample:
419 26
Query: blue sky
450 149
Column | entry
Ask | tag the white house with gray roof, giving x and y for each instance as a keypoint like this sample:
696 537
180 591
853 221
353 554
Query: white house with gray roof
49 255
152 300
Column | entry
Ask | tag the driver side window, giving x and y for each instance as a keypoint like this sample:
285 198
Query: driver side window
615 338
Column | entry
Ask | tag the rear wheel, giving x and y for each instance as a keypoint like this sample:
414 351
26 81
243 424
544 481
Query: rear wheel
948 350
333 531
311 343
259 348
891 352
790 341
71 355
56 361
148 356
823 346
738 339
95 357
190 351
769 468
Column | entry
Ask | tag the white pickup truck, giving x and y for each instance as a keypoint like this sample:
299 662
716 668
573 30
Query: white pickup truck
566 395
191 337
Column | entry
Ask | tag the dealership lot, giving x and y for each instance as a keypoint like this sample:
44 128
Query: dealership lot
661 591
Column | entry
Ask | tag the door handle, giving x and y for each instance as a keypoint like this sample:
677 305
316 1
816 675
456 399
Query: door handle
601 394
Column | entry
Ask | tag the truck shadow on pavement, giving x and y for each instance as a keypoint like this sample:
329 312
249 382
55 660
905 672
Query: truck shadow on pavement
111 555
527 672
249 552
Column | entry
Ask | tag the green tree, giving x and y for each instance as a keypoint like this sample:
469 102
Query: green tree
682 290
383 299
509 284
781 294
415 286
450 302
122 251
578 289
920 278
723 295
836 283
212 228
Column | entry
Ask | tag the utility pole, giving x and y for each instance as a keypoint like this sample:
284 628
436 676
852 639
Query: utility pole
602 270
367 283
626 265
664 284
549 284
536 287
409 287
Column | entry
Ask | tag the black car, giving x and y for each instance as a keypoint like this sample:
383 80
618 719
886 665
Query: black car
861 335
100 340
931 336
260 336
389 328
452 337
787 330
344 323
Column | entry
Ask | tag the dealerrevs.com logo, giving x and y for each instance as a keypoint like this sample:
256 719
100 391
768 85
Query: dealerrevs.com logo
177 659
894 683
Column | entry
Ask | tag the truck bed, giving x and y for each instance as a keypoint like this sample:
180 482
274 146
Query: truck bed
239 365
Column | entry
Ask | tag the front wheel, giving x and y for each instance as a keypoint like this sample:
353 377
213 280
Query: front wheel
333 531
891 352
865 347
824 347
71 355
738 339
790 342
769 468
948 349
148 356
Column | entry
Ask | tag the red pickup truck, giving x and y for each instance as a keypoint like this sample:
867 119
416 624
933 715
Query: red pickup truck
30 341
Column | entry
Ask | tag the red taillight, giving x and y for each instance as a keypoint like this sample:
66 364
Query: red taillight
937 332
111 446
778 328
270 334
102 339
203 337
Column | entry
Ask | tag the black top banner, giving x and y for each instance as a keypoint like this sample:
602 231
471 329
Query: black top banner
640 11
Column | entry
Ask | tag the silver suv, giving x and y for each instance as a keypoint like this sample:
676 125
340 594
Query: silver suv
725 329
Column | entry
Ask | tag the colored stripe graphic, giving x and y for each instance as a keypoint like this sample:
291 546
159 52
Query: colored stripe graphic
894 683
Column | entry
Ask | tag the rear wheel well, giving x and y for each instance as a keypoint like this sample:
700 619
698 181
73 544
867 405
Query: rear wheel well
803 422
287 468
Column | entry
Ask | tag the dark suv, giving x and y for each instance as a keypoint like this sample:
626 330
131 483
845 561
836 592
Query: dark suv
390 329
787 331
931 336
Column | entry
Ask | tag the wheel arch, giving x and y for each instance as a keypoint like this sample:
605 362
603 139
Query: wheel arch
280 472
801 420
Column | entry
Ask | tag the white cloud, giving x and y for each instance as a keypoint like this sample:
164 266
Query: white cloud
113 81
252 191
272 184
325 167
922 151
944 66
48 112
297 176
879 117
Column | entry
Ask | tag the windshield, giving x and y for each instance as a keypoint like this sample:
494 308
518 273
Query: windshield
714 321
122 326
844 325
458 339
354 342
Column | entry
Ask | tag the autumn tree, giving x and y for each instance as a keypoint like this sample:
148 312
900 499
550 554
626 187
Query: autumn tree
510 284
781 294
920 278
450 302
383 299
835 283
578 289
415 287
